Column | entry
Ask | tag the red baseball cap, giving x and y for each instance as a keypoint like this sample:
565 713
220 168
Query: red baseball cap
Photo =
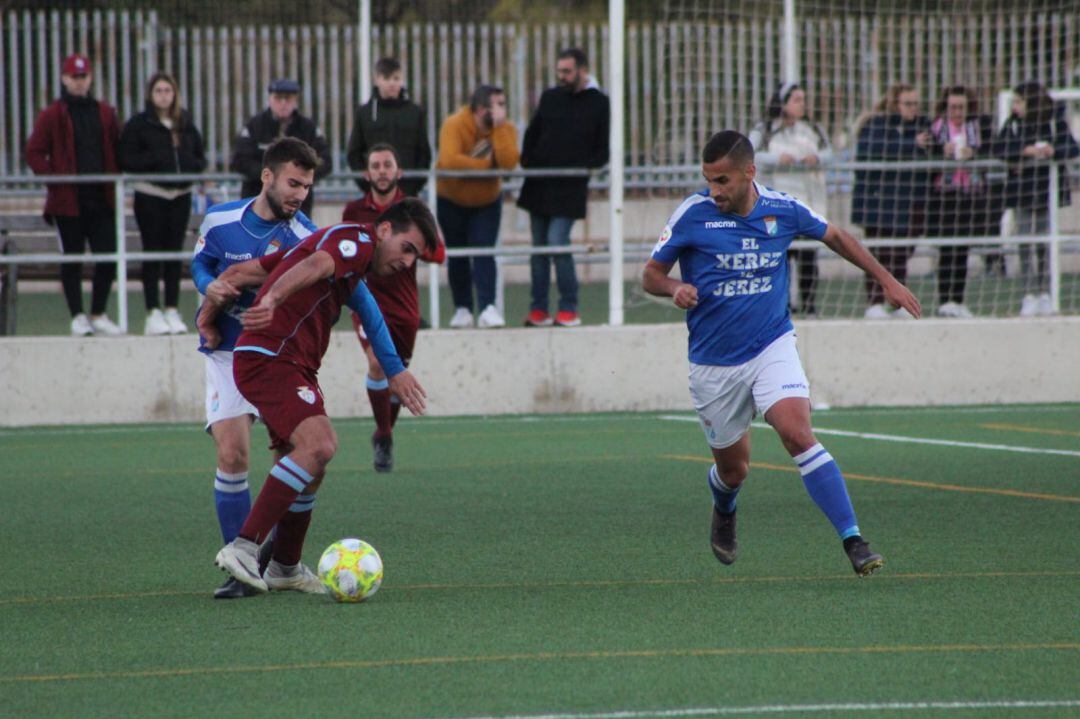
76 64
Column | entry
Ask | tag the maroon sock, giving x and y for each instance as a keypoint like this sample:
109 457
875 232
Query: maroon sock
395 410
285 481
289 539
380 408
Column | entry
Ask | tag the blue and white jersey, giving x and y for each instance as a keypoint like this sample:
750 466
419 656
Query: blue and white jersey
231 233
739 267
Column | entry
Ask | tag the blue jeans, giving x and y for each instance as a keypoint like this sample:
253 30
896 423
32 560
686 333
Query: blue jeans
470 227
552 231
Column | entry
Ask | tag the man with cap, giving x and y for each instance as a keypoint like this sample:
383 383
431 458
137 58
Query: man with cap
77 134
280 119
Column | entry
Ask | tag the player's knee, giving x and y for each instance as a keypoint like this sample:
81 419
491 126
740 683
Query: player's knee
323 450
232 458
797 441
733 473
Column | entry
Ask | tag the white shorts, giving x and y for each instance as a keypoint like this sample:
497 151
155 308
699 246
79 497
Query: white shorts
223 400
726 397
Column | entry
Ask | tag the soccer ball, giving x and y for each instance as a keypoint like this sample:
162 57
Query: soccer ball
351 570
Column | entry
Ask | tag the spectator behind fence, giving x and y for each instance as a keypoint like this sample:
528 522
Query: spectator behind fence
958 205
569 129
162 139
390 117
477 137
77 134
280 119
1036 130
890 203
787 138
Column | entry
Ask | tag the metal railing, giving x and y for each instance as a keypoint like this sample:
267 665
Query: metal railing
670 177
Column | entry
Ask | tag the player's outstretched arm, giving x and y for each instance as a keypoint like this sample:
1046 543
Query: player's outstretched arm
842 243
306 272
655 281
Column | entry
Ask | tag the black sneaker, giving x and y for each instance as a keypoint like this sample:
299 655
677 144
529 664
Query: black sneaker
384 453
725 545
864 561
234 589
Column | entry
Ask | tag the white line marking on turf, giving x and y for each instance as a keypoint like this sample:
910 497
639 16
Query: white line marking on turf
912 440
803 708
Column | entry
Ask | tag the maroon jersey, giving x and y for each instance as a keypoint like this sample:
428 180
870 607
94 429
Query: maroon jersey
301 325
396 294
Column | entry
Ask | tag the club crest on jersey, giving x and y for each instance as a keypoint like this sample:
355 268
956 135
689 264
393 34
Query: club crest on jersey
272 247
305 393
347 248
770 224
200 244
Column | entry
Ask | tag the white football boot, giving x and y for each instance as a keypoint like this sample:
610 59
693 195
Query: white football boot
299 578
240 558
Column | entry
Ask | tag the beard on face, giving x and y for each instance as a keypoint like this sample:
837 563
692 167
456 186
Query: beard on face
385 186
277 207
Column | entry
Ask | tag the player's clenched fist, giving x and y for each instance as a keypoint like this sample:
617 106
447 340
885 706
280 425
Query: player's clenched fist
685 296
409 391
258 316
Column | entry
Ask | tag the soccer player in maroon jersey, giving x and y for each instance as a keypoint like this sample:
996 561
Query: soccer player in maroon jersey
276 363
396 294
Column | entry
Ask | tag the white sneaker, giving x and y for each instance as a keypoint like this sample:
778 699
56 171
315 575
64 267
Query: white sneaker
462 319
901 314
156 324
962 311
877 312
948 309
175 321
1029 306
80 326
298 578
240 559
104 326
490 318
1046 305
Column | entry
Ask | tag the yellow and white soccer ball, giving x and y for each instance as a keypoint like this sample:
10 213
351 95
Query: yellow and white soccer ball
351 570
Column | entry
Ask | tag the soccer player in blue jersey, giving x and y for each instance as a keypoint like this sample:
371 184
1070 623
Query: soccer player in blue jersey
731 242
234 232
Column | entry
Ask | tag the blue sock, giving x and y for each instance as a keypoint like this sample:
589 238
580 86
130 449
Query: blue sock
823 481
723 496
233 501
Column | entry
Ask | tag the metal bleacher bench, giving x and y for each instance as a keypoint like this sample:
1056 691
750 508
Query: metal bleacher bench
29 233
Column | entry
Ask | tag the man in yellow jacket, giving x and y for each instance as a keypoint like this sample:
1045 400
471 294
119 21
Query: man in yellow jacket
476 137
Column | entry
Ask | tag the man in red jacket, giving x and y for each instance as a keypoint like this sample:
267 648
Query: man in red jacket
396 294
78 135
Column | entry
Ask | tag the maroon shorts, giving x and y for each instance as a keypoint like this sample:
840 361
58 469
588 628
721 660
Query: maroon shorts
284 393
403 336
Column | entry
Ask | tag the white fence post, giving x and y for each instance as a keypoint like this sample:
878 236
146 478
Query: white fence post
121 255
616 68
1054 260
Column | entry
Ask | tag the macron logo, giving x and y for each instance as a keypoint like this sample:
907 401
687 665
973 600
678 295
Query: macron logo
720 225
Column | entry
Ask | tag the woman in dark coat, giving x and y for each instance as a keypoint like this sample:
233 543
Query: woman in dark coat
890 203
162 139
1036 130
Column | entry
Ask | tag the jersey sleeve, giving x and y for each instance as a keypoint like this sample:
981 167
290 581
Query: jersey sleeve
204 261
363 304
809 223
672 240
351 251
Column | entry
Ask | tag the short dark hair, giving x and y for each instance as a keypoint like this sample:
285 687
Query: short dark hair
387 66
576 54
730 144
481 97
967 92
382 147
411 212
290 149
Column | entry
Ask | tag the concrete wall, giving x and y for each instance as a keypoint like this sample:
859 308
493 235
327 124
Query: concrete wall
640 367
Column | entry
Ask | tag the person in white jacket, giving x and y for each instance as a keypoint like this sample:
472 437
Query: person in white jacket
794 148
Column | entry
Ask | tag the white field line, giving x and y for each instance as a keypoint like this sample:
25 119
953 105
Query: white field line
526 419
910 440
806 708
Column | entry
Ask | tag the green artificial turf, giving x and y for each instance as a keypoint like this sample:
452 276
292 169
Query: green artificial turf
553 565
